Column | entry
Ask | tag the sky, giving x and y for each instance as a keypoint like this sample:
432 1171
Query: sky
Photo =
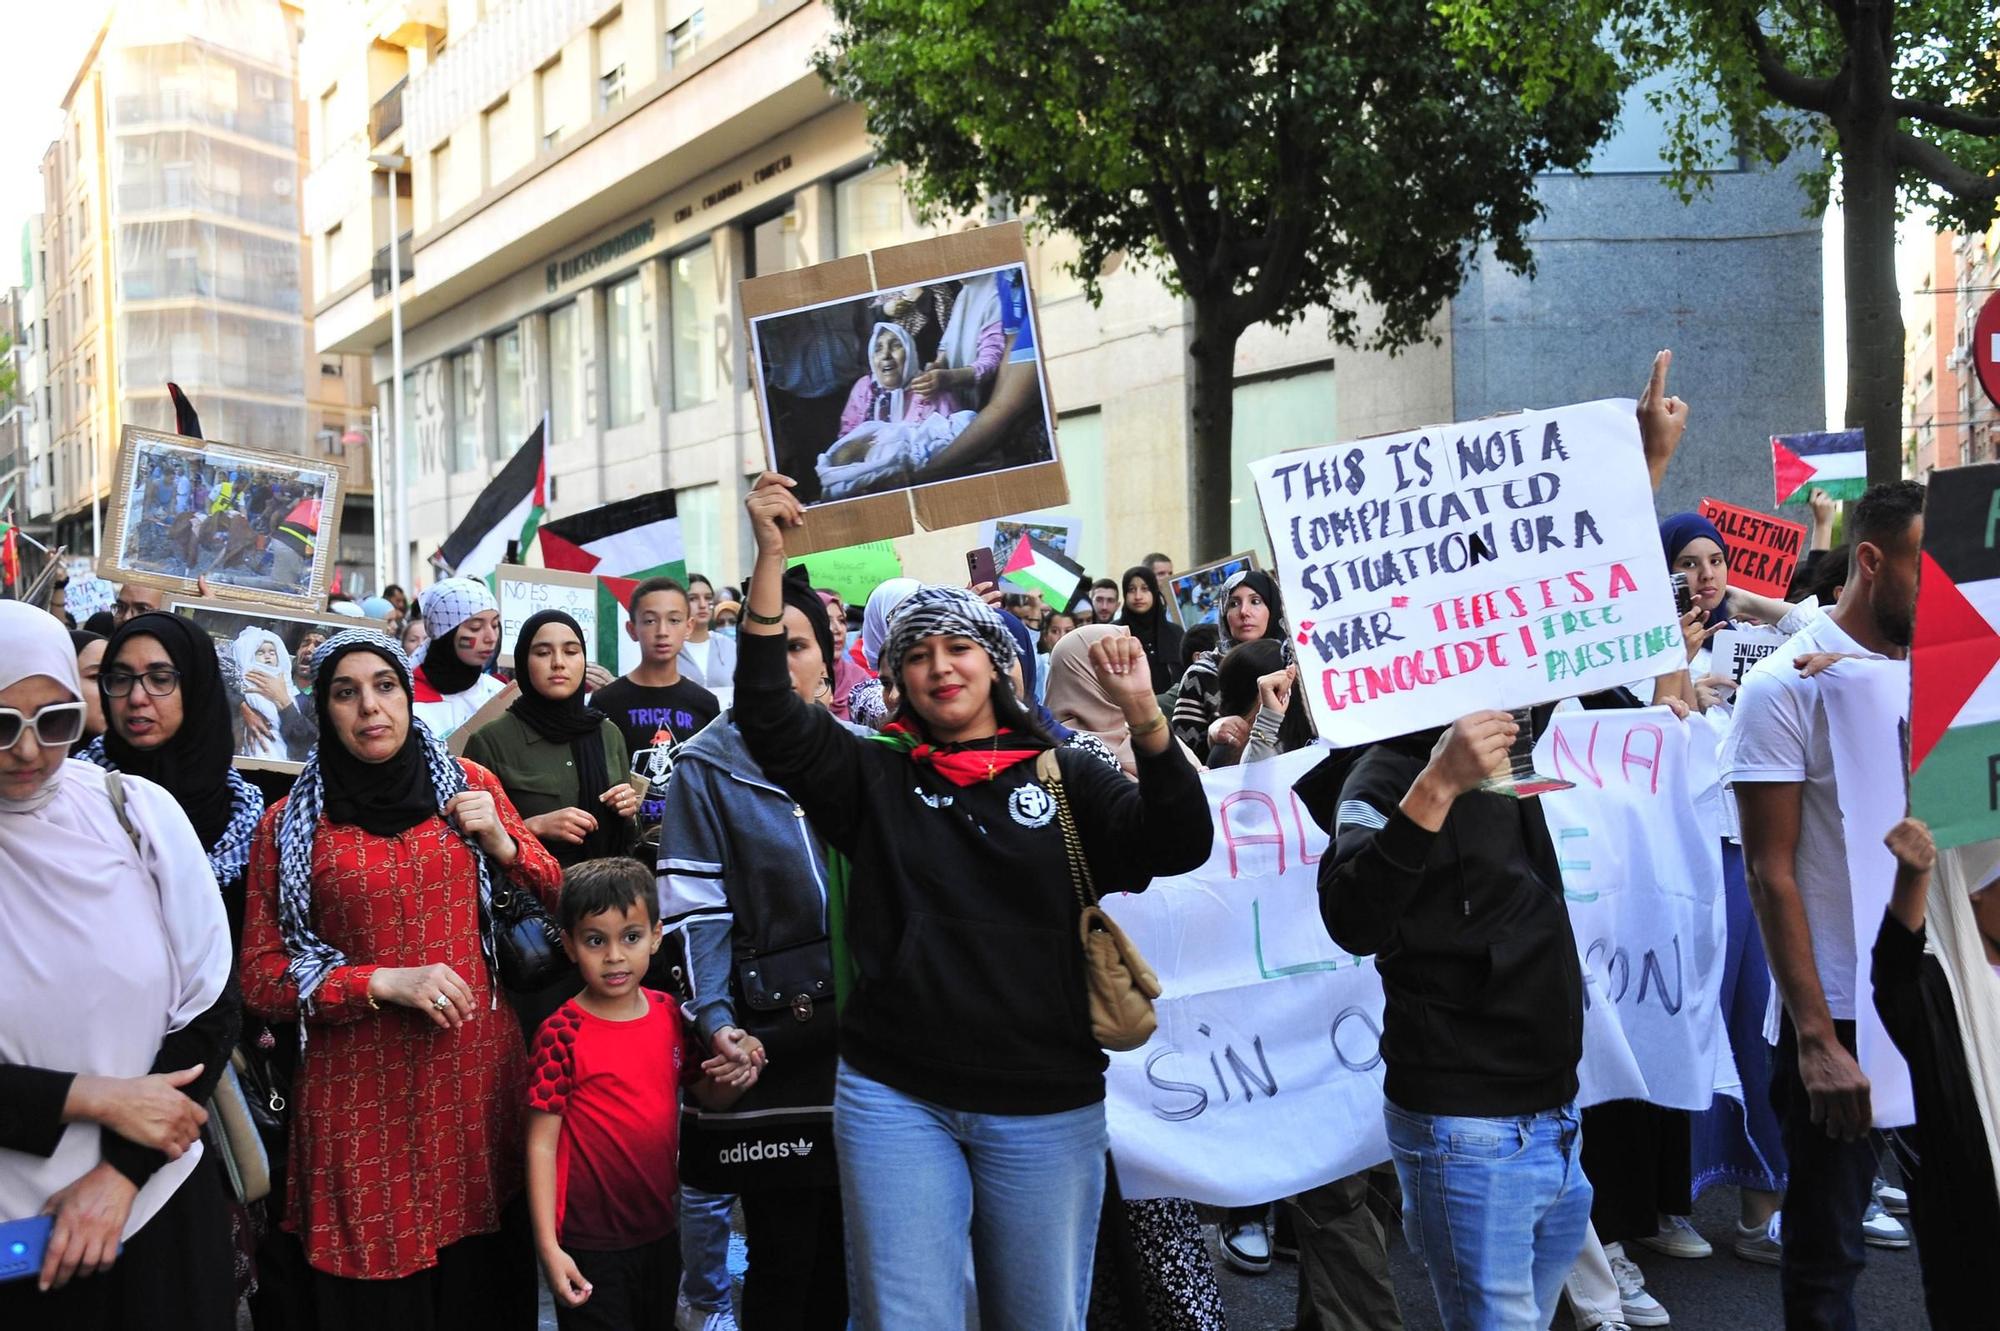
50 41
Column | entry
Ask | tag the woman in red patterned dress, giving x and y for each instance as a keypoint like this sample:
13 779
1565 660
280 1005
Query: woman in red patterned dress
367 919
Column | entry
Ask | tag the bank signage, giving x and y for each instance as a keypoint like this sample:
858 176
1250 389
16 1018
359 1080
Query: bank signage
568 270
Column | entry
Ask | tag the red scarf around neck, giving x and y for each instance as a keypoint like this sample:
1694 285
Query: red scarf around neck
961 764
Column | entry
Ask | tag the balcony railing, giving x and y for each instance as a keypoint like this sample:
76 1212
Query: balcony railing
386 116
513 39
381 268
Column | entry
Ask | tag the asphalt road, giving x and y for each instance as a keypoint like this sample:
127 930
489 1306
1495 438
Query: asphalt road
1719 1293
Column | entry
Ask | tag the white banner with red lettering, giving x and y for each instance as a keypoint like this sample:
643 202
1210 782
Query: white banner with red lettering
1265 1076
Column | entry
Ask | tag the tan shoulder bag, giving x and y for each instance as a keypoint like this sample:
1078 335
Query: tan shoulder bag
1120 985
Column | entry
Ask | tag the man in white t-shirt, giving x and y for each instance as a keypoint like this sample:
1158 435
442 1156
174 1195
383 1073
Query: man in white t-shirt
1779 759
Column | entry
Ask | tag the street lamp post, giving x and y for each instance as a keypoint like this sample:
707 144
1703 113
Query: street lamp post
398 526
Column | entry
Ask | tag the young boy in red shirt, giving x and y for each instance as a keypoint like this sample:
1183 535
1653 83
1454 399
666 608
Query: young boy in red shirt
604 1120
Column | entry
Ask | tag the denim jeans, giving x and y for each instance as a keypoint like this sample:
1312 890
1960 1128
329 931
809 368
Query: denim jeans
919 1183
1830 1186
1496 1207
705 1249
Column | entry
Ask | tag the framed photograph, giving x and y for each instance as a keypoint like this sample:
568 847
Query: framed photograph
270 652
242 518
1062 535
1196 595
525 592
906 380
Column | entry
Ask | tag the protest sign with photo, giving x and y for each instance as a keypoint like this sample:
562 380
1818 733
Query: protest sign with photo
1731 652
905 384
1195 597
1269 1032
526 592
1035 567
1436 572
1063 535
1955 686
270 651
183 509
1764 551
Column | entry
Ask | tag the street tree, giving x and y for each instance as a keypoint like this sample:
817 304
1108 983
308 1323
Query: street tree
1267 159
1902 100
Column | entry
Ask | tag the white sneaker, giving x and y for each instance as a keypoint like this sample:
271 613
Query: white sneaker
687 1317
1639 1307
1761 1246
1678 1238
1247 1247
1611 1326
1895 1201
1879 1229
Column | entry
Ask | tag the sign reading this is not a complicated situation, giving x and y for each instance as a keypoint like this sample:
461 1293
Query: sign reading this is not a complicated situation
1495 563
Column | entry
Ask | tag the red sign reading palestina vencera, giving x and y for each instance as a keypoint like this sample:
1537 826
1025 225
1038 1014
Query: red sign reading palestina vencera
1763 551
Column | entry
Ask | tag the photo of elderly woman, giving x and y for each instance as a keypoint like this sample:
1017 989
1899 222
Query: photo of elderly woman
891 389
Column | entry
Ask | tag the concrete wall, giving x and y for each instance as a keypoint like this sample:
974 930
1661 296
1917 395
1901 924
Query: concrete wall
1732 284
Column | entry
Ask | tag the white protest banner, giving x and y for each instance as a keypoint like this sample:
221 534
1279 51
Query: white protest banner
526 592
1867 712
1732 652
1264 1077
1497 563
1638 838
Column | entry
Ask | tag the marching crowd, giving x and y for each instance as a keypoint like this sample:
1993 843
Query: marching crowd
558 995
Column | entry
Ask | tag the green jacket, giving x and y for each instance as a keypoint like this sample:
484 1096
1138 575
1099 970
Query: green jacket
540 777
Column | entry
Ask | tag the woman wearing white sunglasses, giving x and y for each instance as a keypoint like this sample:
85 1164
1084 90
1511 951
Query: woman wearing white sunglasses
117 1011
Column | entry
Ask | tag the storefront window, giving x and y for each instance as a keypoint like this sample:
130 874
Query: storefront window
464 411
512 408
699 509
693 298
565 373
631 351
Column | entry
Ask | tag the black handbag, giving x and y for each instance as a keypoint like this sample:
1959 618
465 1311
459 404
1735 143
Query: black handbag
787 996
527 945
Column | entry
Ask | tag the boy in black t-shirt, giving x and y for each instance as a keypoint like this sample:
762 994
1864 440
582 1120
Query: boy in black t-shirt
656 708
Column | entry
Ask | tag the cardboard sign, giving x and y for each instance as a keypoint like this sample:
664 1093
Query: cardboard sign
495 708
1955 687
836 352
525 592
1448 570
1763 552
1732 652
1195 597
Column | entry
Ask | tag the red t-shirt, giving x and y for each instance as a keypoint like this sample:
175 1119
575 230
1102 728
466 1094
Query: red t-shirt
616 1085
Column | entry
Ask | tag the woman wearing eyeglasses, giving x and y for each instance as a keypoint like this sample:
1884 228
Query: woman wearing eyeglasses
117 1012
168 720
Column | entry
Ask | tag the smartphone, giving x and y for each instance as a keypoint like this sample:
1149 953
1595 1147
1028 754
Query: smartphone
1683 594
979 563
23 1244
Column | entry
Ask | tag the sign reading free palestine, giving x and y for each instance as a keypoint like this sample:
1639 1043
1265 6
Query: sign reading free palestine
1495 563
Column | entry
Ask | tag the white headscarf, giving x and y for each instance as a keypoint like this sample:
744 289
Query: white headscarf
911 369
448 604
875 617
37 645
106 946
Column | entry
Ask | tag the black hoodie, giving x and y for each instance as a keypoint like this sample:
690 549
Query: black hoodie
1470 934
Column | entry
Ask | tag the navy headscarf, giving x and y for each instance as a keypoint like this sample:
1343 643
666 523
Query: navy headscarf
1024 644
1676 533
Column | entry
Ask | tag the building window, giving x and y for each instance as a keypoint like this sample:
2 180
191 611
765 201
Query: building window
630 351
1272 416
565 373
510 141
610 88
693 299
465 411
682 38
869 211
511 409
699 508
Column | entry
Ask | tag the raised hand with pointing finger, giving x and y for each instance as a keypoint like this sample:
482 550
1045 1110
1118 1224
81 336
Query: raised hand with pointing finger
1662 419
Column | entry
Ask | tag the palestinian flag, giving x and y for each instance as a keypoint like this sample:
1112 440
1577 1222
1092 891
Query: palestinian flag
508 509
1830 460
1954 684
623 544
1036 566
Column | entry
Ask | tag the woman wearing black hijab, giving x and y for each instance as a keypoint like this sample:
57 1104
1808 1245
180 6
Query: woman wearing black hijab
563 764
370 921
1145 617
167 719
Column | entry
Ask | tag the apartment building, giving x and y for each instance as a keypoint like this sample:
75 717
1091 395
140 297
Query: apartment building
32 392
580 184
172 252
1976 270
1934 420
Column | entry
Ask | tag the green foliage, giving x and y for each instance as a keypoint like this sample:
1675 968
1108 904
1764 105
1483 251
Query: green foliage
1782 75
1264 157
